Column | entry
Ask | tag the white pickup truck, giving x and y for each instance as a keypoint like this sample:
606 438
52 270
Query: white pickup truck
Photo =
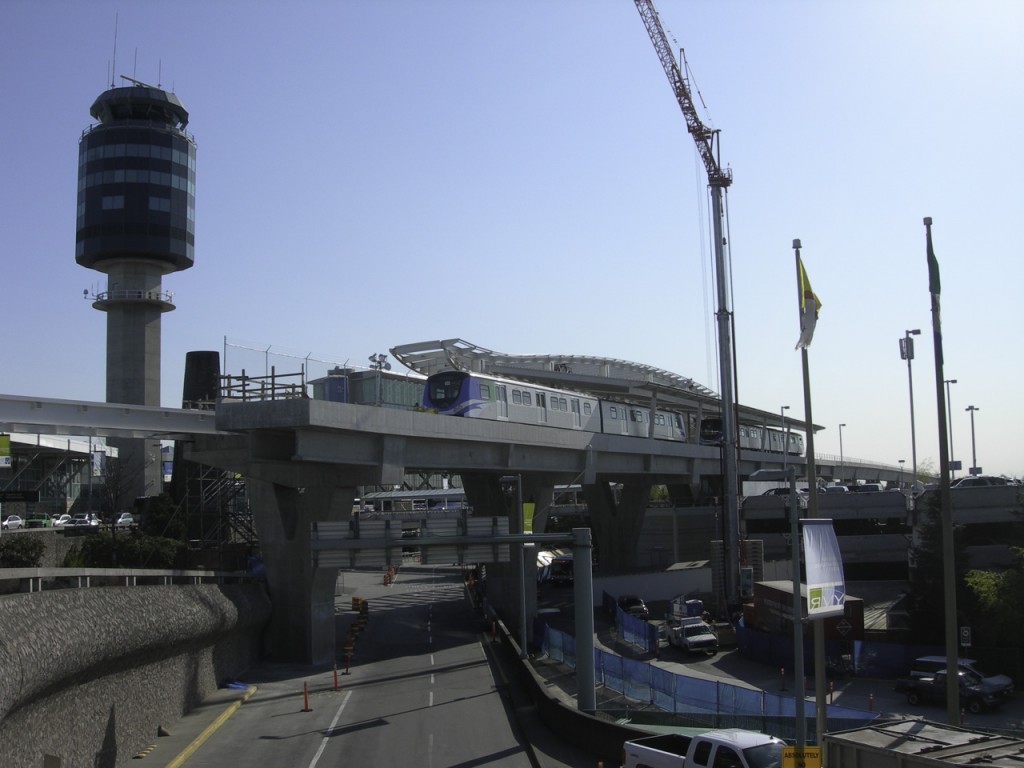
729 748
694 635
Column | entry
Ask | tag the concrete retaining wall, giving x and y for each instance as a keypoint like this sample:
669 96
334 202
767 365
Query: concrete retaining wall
89 675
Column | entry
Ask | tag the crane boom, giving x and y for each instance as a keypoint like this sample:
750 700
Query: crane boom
718 181
704 137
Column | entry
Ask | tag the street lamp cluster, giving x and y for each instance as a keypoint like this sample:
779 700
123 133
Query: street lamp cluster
907 353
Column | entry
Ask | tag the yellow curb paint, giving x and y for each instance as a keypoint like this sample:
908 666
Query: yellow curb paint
210 729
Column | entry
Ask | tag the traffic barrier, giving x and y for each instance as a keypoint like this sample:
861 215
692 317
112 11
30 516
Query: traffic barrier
335 675
305 697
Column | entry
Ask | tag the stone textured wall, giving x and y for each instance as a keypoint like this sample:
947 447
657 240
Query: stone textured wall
89 675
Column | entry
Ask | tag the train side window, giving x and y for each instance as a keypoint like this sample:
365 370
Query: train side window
527 398
586 409
485 391
613 412
517 397
563 404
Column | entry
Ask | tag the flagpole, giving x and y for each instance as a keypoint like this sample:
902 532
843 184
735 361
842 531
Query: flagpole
820 684
945 501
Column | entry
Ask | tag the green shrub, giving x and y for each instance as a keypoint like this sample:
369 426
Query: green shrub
129 550
21 551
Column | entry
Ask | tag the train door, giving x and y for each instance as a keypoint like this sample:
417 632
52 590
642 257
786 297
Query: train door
502 397
542 408
576 420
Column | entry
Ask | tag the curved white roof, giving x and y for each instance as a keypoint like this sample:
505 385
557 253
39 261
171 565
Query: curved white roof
595 374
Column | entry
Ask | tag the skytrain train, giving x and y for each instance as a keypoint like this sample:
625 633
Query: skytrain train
755 438
478 396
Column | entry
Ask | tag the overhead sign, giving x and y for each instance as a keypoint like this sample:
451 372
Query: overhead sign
826 586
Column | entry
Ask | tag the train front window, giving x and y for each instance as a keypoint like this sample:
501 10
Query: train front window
444 388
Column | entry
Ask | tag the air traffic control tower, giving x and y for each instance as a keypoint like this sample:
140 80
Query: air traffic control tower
136 223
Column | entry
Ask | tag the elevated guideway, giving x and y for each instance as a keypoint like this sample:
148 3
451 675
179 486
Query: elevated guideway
305 461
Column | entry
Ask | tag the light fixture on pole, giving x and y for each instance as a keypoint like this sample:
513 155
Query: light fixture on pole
907 353
789 474
842 474
785 435
902 462
379 362
949 416
975 469
517 521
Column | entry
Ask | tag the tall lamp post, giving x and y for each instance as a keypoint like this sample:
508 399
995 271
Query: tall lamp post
842 472
975 469
902 462
789 474
379 362
949 416
907 353
785 436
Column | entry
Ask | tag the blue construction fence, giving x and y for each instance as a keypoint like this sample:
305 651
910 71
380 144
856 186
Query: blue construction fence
860 658
688 701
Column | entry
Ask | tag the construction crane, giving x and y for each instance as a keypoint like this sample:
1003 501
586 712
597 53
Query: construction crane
719 179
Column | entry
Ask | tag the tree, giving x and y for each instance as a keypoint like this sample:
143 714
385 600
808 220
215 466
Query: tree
1000 600
21 551
927 582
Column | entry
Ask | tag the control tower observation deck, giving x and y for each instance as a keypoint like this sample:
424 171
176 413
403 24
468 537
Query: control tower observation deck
135 224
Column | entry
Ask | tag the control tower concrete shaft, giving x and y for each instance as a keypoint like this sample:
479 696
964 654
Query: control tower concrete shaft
136 223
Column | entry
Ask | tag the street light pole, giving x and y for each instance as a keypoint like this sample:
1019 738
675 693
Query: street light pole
907 353
974 456
902 462
842 468
949 415
785 436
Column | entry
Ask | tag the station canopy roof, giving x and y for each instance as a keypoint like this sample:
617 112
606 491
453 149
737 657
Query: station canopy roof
601 376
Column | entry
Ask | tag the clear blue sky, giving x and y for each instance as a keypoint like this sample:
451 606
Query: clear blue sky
518 174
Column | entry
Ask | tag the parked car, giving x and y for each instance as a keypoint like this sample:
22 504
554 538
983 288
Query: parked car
83 519
12 523
976 694
633 605
783 492
979 481
926 666
126 518
38 521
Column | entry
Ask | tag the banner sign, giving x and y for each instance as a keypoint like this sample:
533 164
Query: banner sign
529 509
5 450
826 587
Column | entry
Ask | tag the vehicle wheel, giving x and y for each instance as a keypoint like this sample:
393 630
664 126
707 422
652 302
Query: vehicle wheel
913 698
974 706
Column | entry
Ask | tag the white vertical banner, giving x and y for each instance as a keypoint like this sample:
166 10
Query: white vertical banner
826 586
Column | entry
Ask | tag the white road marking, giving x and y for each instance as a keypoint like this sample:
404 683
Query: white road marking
334 722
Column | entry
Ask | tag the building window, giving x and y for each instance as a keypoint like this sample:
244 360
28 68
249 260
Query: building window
112 202
159 204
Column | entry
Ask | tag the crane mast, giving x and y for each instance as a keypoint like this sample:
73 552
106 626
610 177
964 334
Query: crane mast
719 179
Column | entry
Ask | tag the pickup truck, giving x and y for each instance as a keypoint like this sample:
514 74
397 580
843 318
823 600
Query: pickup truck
976 693
693 635
731 747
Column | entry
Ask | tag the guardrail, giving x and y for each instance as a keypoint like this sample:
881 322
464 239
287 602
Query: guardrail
36 579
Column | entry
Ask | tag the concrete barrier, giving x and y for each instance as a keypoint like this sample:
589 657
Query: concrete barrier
90 675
